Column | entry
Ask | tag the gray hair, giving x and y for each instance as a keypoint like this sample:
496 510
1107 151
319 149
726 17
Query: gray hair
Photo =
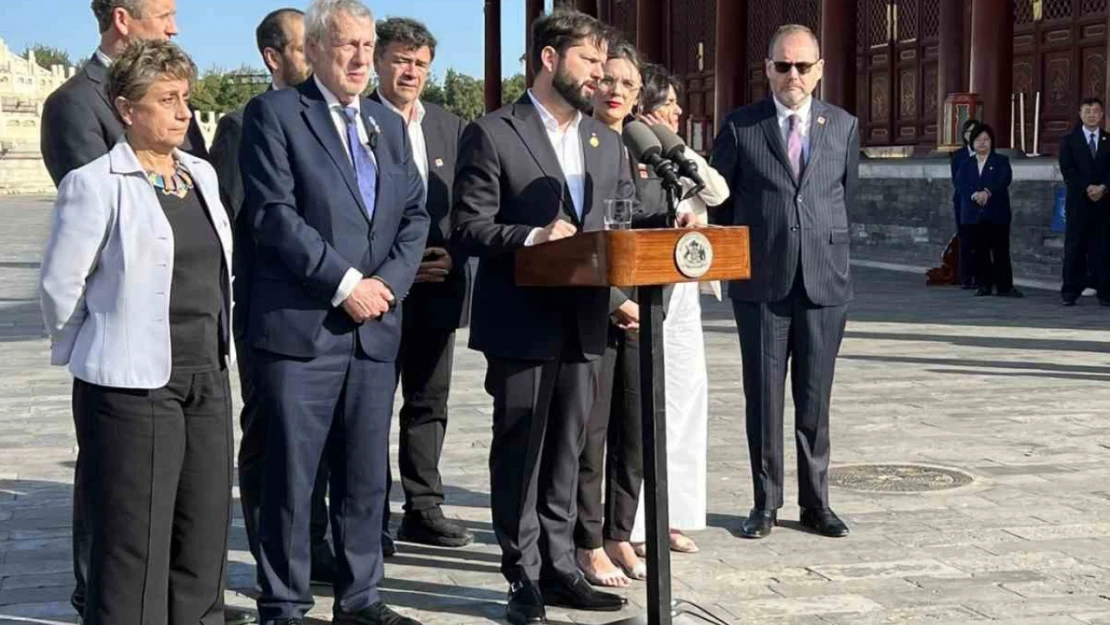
144 63
320 14
102 9
792 29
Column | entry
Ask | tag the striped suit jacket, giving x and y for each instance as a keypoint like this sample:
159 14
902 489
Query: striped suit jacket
795 224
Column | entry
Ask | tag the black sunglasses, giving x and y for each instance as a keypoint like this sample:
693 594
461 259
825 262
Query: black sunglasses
783 67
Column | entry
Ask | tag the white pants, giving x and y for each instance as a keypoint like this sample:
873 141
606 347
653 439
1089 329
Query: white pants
687 388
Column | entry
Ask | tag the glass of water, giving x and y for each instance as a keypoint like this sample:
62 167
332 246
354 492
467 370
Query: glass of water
618 214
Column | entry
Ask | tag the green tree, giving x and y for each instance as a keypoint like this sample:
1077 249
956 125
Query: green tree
512 89
225 91
464 95
48 56
433 92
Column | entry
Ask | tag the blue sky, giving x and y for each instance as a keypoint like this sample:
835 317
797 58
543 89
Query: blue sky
221 32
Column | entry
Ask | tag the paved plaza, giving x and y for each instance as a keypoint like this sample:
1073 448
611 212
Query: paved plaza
1013 393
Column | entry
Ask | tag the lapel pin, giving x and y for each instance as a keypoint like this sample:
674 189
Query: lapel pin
594 142
374 123
439 162
821 120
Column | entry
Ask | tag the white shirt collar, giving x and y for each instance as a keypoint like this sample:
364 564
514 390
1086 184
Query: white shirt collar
333 101
417 109
1087 131
549 120
803 111
103 58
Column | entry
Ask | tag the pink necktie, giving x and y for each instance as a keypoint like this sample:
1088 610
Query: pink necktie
794 146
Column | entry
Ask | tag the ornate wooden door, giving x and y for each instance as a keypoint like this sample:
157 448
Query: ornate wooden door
1060 52
896 45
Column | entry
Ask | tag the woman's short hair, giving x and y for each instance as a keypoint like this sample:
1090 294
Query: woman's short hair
657 83
984 128
623 49
145 62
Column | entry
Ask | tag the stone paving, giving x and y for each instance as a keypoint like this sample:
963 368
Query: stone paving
1013 392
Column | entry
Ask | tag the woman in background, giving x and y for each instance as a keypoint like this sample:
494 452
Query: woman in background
687 383
965 265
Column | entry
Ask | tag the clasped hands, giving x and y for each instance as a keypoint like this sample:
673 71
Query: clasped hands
981 197
1095 192
370 299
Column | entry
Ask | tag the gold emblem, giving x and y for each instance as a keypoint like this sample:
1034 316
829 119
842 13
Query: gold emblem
594 142
821 121
439 162
693 255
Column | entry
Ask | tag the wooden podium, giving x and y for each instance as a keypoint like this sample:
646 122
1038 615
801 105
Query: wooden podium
647 259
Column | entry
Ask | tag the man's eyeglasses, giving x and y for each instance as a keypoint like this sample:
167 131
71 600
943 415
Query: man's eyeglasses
803 68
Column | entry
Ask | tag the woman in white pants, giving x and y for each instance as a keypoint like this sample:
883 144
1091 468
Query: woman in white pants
687 385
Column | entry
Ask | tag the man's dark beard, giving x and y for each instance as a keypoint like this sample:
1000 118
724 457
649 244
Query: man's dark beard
572 92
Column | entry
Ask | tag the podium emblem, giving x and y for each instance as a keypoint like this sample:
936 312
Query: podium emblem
693 254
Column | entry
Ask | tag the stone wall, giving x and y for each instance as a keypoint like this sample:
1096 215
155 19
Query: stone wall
905 213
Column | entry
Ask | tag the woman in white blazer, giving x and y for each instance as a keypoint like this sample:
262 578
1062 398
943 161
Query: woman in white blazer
135 291
687 383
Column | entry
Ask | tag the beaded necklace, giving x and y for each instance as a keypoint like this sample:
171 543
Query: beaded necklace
178 184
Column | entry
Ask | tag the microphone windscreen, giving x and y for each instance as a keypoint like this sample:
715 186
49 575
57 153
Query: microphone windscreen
671 143
640 140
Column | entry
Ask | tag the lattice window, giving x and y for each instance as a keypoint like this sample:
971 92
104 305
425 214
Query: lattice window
804 12
1057 9
930 19
878 26
762 22
906 20
1023 11
1093 7
929 97
861 25
692 24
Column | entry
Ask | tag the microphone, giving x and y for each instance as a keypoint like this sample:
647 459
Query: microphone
674 150
646 148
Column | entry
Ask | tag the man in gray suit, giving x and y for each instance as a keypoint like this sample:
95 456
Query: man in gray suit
791 163
79 124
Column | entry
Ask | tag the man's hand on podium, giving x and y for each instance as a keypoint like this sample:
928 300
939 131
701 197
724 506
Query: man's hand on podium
627 317
558 229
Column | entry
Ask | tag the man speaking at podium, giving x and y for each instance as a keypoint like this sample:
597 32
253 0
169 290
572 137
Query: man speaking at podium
535 171
791 162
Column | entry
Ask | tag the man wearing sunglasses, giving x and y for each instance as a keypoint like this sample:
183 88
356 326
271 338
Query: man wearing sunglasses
791 164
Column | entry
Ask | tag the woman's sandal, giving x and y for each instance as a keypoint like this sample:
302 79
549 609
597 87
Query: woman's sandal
682 543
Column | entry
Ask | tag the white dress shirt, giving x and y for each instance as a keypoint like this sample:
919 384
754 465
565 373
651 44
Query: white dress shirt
353 276
568 150
416 135
103 58
803 114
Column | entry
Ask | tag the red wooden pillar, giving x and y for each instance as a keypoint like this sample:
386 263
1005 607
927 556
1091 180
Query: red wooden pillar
730 58
838 48
649 29
493 55
533 9
952 69
992 53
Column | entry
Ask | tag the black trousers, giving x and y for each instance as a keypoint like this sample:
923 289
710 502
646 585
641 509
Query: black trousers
991 243
252 469
157 512
540 409
1085 252
613 448
336 405
966 262
797 333
424 366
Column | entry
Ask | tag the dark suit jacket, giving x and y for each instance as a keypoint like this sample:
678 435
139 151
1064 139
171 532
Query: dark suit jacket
954 162
996 178
1081 171
79 124
508 181
441 305
792 222
310 225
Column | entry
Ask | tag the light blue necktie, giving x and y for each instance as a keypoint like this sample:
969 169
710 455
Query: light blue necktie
365 171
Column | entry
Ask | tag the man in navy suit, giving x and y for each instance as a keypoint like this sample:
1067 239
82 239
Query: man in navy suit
335 202
1085 166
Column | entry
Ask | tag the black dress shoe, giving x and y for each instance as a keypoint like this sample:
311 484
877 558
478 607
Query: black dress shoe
825 522
1070 301
525 604
238 616
982 292
286 621
759 523
573 591
376 614
389 549
323 565
430 527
